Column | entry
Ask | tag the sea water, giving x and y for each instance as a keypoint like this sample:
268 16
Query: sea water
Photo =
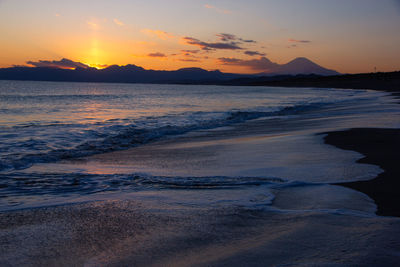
43 124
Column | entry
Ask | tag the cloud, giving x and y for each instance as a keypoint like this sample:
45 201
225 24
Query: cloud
247 41
60 64
160 34
219 10
93 25
145 43
190 51
189 60
211 46
225 41
254 53
261 64
299 41
156 54
227 37
118 22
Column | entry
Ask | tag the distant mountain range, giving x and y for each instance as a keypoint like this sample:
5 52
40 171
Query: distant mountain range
301 65
134 74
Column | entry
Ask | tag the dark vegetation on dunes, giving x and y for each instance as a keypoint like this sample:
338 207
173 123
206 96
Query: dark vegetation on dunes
383 81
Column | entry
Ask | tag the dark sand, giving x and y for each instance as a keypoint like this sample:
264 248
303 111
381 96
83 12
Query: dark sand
132 233
380 147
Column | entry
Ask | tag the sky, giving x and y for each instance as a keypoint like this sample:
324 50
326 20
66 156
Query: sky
240 36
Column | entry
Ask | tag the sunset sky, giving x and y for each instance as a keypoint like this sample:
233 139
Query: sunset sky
349 36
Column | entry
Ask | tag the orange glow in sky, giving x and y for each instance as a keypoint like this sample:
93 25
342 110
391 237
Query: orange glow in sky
232 36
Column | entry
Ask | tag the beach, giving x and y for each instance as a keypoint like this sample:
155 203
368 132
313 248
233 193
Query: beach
199 133
283 187
119 233
380 147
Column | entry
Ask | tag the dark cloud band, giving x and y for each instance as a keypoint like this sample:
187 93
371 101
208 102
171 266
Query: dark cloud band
61 64
157 54
211 46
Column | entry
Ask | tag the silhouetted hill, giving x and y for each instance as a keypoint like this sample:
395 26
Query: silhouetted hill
298 66
389 81
303 65
68 70
118 74
384 81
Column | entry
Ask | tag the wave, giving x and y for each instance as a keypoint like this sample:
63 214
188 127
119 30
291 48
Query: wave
21 190
43 145
23 184
31 97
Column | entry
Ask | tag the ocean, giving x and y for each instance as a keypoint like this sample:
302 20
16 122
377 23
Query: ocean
205 160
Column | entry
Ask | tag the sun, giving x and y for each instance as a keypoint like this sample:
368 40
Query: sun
96 65
96 55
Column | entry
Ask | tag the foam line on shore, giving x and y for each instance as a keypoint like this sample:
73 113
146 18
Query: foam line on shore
380 147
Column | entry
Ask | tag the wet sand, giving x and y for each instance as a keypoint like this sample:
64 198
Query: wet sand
381 147
135 233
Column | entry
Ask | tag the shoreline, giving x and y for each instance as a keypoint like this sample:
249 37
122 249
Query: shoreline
380 147
378 81
382 82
